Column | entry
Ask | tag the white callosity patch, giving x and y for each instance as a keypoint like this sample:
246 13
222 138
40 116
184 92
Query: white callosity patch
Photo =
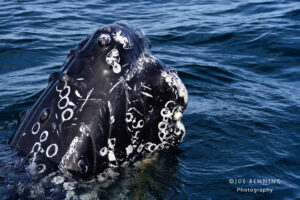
122 39
113 59
173 80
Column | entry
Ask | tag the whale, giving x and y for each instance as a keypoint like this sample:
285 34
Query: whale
111 104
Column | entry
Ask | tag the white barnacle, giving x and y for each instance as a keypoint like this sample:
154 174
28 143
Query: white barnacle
36 147
164 74
173 80
63 102
177 116
136 134
35 128
162 125
140 148
122 39
111 143
104 39
129 117
170 104
113 59
111 156
129 149
65 92
103 151
151 147
51 150
41 168
165 113
140 124
67 114
112 120
168 79
58 85
84 129
44 136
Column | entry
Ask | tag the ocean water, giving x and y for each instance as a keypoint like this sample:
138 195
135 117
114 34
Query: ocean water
240 61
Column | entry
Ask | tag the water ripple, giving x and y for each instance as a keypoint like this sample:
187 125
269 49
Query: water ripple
238 59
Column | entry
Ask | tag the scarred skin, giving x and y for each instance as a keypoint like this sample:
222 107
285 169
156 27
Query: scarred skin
111 104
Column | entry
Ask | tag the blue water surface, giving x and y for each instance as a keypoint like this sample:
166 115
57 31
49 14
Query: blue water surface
240 61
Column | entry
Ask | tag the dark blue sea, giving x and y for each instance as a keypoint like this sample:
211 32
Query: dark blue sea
240 61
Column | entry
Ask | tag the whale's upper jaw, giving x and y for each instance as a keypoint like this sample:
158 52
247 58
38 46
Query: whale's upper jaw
111 103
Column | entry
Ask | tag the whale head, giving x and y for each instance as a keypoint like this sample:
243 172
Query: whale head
111 103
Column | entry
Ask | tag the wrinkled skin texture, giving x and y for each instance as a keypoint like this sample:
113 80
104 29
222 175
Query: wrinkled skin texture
112 103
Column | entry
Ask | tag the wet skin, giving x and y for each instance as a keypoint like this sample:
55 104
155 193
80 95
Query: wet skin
111 104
